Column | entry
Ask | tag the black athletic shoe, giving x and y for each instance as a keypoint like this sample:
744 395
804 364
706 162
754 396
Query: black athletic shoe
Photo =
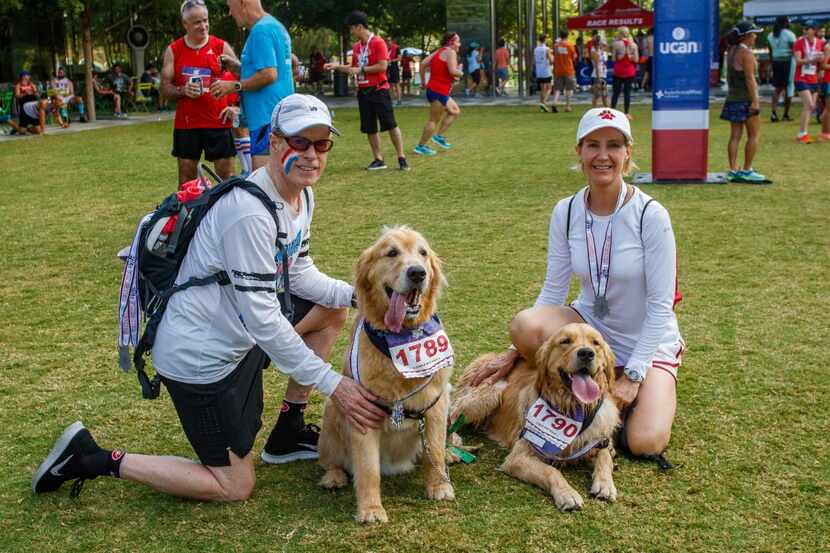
285 446
376 164
402 164
64 461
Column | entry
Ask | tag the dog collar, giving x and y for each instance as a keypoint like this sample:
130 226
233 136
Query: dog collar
550 431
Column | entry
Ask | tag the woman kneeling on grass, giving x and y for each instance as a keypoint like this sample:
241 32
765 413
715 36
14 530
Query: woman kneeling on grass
443 71
742 106
627 285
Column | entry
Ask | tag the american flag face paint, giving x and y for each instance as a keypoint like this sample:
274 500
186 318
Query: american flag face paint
288 159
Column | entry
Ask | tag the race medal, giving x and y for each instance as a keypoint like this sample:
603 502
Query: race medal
601 309
549 430
420 352
599 264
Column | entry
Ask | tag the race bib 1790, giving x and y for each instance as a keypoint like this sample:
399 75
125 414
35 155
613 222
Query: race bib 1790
549 430
417 358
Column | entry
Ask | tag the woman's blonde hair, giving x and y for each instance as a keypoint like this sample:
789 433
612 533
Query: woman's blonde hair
623 32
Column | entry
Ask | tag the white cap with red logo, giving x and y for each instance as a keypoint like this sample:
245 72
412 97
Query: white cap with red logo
600 118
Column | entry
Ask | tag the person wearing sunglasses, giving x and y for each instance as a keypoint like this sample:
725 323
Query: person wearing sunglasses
191 64
215 341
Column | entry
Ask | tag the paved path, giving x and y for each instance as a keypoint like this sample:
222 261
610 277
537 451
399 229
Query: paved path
580 98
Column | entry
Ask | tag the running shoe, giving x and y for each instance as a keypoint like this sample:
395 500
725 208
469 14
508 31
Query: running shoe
824 137
773 118
804 139
285 445
733 175
554 109
751 176
424 150
441 141
786 117
376 165
545 108
64 462
403 165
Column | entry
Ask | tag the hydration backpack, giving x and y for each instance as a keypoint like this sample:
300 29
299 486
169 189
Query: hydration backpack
152 266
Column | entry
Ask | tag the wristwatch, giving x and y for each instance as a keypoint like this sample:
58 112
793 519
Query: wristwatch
237 86
633 375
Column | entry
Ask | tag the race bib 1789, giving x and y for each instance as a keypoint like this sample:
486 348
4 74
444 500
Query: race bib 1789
422 357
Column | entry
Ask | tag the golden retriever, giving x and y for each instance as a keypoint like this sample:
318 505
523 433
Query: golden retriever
573 371
397 282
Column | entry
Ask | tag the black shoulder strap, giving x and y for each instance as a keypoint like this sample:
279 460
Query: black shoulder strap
568 221
642 215
307 202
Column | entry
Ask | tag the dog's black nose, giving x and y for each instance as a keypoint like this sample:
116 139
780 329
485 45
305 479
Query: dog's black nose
416 274
585 354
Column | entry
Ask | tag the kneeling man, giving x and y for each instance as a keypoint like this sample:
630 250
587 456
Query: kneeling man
215 341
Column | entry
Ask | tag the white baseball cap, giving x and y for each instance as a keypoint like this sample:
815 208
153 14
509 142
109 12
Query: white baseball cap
297 112
599 118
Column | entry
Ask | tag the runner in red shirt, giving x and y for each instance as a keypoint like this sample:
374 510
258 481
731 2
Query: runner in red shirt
443 72
393 72
370 59
191 63
808 54
825 116
625 54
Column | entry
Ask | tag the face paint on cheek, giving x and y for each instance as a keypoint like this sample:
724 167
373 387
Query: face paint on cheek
288 159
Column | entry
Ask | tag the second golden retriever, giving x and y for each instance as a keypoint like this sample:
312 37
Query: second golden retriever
552 411
399 352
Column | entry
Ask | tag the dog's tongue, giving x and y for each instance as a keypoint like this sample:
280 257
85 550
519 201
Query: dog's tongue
395 313
584 388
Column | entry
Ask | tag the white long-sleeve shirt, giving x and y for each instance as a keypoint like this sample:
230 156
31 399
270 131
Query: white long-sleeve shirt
207 330
641 286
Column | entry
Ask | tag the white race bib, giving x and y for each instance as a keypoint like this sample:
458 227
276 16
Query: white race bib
809 69
422 357
549 430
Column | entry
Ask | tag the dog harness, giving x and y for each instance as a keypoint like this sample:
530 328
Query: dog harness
550 431
389 343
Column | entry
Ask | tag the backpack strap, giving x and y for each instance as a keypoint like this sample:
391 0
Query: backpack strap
307 202
642 215
568 220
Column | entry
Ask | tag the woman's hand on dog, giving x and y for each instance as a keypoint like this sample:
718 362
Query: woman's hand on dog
625 390
355 402
499 367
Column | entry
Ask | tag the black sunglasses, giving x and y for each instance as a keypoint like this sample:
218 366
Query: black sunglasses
301 144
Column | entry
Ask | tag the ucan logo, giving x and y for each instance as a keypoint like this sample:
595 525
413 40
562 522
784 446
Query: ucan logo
680 44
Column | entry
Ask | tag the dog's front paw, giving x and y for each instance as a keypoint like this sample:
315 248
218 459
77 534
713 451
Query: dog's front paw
604 489
567 499
371 513
443 491
334 478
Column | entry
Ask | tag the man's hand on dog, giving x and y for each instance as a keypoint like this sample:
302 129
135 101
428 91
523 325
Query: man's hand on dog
498 368
625 390
355 402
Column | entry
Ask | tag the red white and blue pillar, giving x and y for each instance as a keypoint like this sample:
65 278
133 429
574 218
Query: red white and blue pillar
683 39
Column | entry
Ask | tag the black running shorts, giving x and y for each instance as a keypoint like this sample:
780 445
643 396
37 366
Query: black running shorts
215 143
227 415
375 105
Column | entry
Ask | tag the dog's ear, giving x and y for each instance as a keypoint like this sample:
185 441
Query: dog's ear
437 271
362 281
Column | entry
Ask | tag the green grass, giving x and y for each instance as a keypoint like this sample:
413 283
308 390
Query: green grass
750 439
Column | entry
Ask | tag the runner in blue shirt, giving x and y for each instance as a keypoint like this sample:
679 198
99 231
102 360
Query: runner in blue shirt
265 72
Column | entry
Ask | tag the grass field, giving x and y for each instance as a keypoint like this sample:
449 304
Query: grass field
750 439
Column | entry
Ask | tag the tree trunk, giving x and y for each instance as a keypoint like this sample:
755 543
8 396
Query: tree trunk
89 91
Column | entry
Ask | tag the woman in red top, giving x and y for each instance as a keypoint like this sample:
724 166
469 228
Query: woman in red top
626 57
444 71
25 90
